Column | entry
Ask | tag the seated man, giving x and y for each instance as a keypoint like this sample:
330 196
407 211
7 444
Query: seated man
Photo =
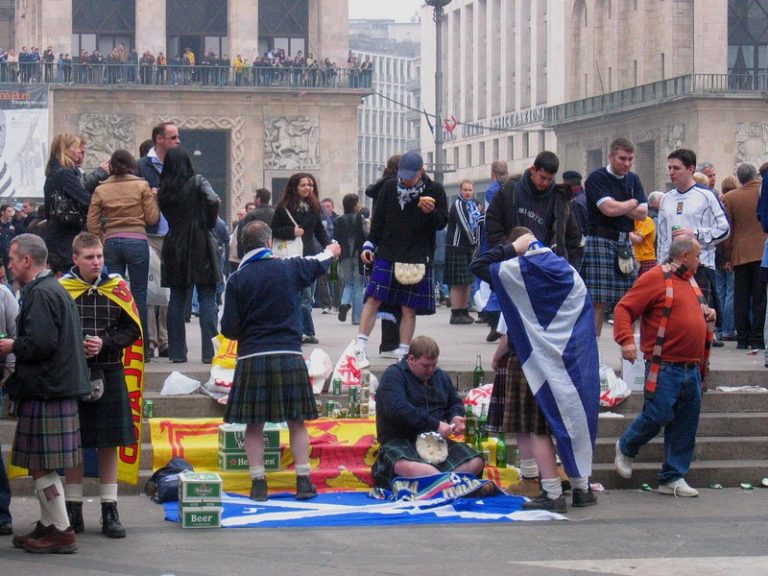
415 396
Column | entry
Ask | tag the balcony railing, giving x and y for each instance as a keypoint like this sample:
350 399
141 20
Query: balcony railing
181 75
656 92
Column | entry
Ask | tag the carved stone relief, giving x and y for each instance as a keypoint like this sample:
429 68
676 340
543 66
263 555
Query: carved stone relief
675 138
751 140
291 143
105 133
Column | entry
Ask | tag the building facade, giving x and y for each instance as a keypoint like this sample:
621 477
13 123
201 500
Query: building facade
242 136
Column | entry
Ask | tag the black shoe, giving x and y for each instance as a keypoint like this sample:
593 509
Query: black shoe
304 488
481 320
6 529
493 335
163 353
583 498
259 489
178 360
75 515
717 343
544 502
343 310
739 345
309 339
110 521
458 317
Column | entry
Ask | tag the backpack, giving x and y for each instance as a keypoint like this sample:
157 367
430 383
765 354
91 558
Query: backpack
163 486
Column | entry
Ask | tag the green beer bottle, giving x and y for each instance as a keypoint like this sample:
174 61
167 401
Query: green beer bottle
478 376
478 445
469 433
482 423
501 452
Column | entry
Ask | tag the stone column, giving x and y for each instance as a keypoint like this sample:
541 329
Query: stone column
44 23
243 29
710 36
328 34
150 27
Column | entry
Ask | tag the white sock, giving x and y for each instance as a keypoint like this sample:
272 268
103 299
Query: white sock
403 349
302 469
108 492
362 341
580 483
529 468
257 472
553 487
50 493
73 492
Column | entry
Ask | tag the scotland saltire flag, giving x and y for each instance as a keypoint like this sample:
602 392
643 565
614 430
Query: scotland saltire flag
551 327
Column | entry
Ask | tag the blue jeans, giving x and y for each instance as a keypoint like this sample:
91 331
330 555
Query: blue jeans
306 298
5 494
675 406
121 254
724 285
177 331
354 286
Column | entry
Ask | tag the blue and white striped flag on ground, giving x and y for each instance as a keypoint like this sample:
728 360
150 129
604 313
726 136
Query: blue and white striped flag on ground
550 325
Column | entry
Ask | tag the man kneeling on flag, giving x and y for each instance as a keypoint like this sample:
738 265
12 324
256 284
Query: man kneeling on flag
551 332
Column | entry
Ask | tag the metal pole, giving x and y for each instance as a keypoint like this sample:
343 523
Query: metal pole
438 17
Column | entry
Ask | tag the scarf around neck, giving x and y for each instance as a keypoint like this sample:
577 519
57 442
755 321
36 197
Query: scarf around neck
406 195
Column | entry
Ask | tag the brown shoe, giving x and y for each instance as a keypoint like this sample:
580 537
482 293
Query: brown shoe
565 482
55 542
528 487
39 531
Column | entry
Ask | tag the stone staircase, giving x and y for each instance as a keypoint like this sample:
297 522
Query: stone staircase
731 448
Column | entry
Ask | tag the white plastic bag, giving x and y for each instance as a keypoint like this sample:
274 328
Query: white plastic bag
613 389
177 385
346 367
320 366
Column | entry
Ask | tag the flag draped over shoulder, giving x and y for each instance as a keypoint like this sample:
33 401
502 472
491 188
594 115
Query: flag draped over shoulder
551 327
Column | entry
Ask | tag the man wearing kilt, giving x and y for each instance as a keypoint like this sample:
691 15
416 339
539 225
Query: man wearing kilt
51 373
409 211
615 199
415 396
271 382
110 323
463 226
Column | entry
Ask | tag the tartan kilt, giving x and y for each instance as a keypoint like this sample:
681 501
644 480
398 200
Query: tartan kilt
108 422
47 434
600 272
383 469
384 287
271 388
513 405
495 420
457 272
645 266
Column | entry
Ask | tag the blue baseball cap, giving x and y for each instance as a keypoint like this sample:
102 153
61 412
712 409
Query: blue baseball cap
410 165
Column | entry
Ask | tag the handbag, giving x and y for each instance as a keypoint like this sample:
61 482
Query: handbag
64 210
408 274
96 382
288 248
625 261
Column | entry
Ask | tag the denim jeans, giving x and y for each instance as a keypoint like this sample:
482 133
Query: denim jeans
306 298
5 494
724 285
349 272
177 331
675 406
121 254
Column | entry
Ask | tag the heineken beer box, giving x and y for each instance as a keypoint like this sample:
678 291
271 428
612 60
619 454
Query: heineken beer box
239 461
199 489
232 438
200 517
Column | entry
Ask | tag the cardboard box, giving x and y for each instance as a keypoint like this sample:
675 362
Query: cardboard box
232 438
239 461
198 487
198 517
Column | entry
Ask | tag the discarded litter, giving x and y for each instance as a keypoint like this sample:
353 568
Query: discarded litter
764 482
746 486
597 487
646 488
716 486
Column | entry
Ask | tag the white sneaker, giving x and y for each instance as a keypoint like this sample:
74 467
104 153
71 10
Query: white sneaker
390 354
361 359
622 463
678 488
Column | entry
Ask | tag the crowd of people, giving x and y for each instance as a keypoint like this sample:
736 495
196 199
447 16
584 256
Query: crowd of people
124 65
527 247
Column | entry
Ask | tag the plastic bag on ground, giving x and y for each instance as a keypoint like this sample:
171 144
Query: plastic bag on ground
178 385
613 390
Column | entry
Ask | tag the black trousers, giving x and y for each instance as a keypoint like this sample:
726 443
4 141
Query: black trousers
749 303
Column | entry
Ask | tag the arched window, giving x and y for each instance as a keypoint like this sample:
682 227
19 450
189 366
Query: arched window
102 24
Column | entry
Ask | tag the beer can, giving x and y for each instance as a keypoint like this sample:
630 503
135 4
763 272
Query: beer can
329 406
364 410
319 405
365 378
336 413
337 386
149 409
353 395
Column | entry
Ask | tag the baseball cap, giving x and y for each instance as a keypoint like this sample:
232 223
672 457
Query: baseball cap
409 166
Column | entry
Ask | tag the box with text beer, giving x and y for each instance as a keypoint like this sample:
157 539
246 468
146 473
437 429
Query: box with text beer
239 461
232 438
200 517
199 489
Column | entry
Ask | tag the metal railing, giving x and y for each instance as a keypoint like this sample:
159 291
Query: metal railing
184 75
658 91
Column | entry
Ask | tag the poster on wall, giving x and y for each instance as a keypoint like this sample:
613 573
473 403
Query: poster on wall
23 140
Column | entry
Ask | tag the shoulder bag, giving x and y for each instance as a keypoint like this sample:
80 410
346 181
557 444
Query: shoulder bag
287 248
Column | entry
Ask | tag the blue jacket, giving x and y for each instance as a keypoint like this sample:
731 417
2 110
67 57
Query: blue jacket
261 302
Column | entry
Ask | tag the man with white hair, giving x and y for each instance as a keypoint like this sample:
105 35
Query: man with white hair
745 246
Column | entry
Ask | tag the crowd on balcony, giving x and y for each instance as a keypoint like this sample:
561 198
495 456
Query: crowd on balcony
126 66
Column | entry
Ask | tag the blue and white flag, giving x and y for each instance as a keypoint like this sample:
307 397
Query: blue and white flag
551 327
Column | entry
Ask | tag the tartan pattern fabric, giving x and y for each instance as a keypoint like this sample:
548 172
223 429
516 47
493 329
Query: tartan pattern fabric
47 434
496 403
108 422
383 469
97 315
457 272
600 273
271 388
384 287
669 295
513 405
645 266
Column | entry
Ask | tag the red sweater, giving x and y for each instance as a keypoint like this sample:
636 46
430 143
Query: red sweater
686 329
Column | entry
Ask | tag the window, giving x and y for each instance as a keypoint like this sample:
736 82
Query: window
469 154
496 149
481 154
102 24
747 37
510 147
